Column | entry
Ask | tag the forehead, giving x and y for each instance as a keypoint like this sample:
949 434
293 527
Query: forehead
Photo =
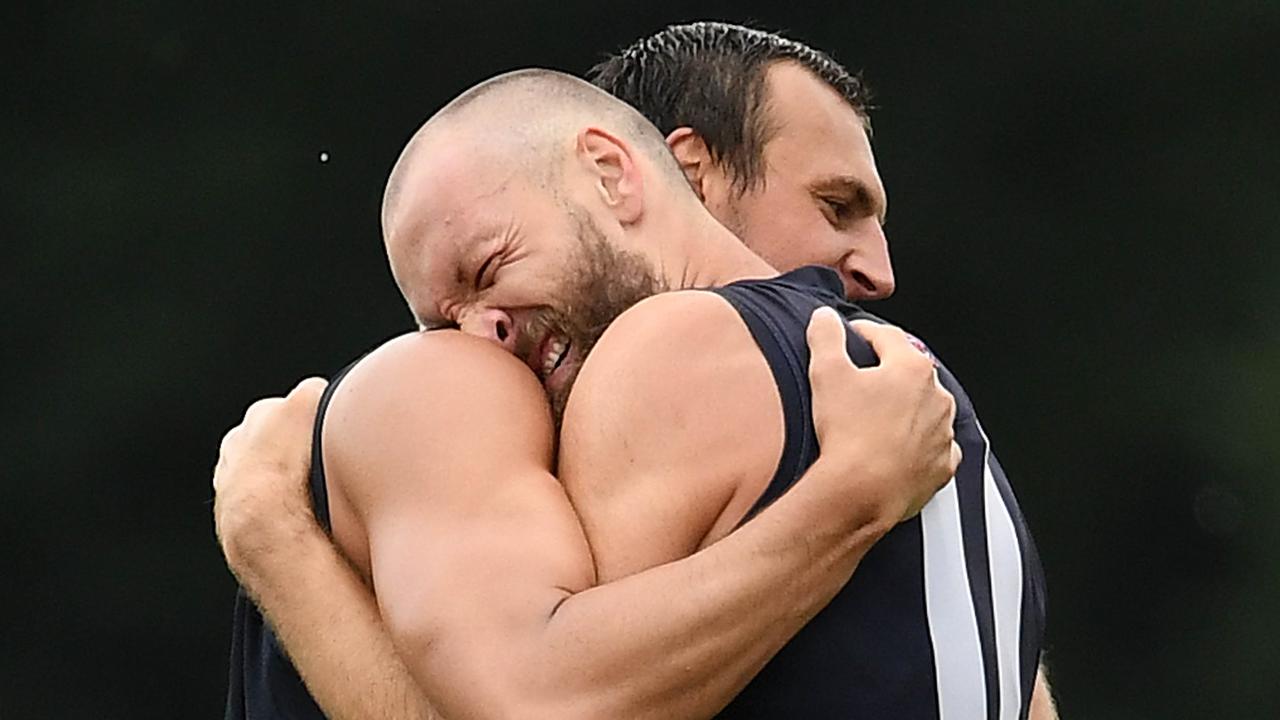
813 125
447 206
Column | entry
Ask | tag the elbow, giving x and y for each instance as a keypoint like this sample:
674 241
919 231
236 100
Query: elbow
475 679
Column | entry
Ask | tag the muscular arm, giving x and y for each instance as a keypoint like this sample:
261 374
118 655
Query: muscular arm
321 611
679 403
675 641
328 621
484 576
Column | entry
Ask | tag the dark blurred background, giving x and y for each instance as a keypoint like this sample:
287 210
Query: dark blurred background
1084 208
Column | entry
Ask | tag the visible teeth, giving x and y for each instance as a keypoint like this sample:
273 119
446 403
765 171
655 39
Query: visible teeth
556 350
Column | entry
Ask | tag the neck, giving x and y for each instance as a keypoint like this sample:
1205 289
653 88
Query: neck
703 253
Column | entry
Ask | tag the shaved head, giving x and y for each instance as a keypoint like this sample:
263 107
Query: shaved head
528 119
533 209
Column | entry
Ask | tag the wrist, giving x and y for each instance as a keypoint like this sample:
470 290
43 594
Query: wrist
850 499
265 552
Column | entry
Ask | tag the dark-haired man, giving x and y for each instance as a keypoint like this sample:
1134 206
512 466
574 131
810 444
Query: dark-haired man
774 136
764 176
432 466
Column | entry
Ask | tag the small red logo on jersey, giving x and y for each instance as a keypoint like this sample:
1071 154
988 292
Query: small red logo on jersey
918 344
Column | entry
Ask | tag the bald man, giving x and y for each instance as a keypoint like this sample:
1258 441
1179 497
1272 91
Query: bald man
607 185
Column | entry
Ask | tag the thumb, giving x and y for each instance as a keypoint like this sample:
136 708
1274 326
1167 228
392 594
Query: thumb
826 336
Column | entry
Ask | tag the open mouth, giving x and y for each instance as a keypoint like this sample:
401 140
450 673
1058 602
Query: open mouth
554 352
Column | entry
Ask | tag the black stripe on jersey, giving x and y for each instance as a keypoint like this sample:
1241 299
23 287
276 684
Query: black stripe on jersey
970 484
1031 632
867 652
319 488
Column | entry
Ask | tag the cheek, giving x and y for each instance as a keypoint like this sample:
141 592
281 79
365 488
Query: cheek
788 240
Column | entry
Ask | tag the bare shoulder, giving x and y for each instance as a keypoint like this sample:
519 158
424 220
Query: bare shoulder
675 338
677 318
435 377
445 362
675 402
432 397
674 359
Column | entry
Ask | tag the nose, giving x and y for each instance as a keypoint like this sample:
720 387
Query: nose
866 270
491 324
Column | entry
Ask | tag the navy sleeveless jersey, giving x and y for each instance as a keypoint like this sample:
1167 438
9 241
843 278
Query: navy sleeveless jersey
944 617
264 684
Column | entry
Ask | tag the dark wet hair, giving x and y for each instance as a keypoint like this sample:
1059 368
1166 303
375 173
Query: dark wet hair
710 76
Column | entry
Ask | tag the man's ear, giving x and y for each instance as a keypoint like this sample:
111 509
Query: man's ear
616 175
705 176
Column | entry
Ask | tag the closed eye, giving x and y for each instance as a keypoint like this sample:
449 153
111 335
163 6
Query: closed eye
481 282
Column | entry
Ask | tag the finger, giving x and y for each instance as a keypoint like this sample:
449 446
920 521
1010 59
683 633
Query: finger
261 407
307 392
305 397
827 338
224 449
888 341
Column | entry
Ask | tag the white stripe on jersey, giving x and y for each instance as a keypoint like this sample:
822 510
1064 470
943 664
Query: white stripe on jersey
1005 559
953 624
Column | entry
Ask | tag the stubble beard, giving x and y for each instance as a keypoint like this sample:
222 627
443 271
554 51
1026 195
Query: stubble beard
600 282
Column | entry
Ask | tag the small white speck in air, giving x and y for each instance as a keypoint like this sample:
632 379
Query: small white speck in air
324 157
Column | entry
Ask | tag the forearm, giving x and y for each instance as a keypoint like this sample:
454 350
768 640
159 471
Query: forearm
328 622
682 639
1042 705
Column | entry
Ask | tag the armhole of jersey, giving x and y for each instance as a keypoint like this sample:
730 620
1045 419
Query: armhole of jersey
791 380
317 482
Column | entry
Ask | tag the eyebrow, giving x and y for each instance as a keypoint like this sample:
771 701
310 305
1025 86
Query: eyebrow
859 193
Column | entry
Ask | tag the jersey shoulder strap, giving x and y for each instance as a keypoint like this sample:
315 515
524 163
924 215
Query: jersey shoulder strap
776 311
316 478
264 684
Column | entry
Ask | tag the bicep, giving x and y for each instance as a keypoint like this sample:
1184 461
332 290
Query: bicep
667 448
443 451
466 579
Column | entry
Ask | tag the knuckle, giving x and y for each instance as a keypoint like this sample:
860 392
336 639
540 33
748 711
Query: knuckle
918 372
228 439
263 406
308 388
